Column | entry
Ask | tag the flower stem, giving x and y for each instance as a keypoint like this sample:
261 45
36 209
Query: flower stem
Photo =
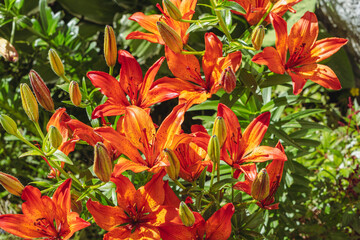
192 52
221 21
39 130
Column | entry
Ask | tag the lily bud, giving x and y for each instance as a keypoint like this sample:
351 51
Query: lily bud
219 129
55 137
75 94
170 37
214 149
261 186
29 102
41 91
56 64
8 124
257 37
110 49
173 11
11 184
186 215
228 79
174 168
102 162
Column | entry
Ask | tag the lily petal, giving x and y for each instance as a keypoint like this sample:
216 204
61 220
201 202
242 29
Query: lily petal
271 58
218 226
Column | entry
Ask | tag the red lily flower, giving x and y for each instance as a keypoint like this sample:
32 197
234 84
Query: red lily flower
186 68
141 92
186 8
305 53
141 135
244 147
255 9
139 214
217 227
275 171
44 217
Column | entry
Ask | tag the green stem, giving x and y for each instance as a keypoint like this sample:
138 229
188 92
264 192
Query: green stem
12 31
190 48
192 53
221 21
39 130
29 144
193 21
65 79
212 176
179 184
253 217
111 70
265 15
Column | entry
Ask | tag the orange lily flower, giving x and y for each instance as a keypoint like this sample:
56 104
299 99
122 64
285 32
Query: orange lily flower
244 147
275 171
142 92
256 9
186 8
305 53
217 227
189 83
44 217
139 214
141 135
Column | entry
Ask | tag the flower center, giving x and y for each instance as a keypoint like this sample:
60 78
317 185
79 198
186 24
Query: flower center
47 228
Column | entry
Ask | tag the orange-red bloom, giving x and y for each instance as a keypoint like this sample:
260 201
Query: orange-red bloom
186 8
255 9
217 227
186 68
139 214
44 217
141 135
275 171
244 147
305 53
131 89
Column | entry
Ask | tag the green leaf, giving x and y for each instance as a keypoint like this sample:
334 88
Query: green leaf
31 153
222 183
283 136
202 178
60 156
43 17
302 114
227 5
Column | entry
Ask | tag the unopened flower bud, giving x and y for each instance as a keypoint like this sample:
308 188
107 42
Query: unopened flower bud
55 137
174 168
214 149
172 10
228 79
110 49
41 91
261 186
75 94
8 51
29 102
257 37
8 124
76 206
102 162
219 129
11 184
186 215
56 64
170 37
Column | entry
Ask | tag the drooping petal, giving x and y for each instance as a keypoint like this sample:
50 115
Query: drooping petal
218 226
254 133
153 193
125 190
145 36
106 217
320 74
124 164
146 21
183 66
84 132
58 120
303 35
62 201
264 153
110 87
19 225
298 82
76 223
149 79
271 58
170 197
281 41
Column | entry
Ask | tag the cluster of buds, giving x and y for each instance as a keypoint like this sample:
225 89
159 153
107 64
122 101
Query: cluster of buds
170 37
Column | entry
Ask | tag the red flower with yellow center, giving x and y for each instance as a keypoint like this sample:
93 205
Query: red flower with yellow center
305 53
44 217
139 214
